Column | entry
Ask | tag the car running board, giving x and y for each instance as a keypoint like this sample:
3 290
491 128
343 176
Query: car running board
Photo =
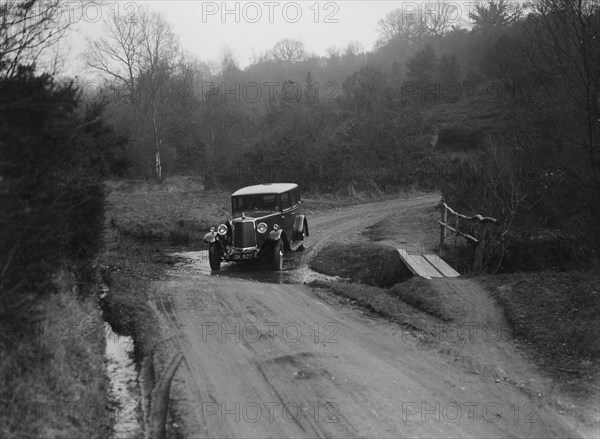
294 245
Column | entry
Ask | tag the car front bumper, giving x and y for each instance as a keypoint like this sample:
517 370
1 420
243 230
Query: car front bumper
241 254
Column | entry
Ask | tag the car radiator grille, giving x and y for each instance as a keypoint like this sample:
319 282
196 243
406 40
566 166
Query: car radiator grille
244 234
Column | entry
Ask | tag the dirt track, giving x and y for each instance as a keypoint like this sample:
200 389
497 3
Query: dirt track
266 357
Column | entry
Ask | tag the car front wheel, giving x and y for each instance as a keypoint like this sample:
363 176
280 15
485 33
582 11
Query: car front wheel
278 256
214 256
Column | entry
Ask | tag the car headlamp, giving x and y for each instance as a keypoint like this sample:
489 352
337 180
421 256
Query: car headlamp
222 229
261 228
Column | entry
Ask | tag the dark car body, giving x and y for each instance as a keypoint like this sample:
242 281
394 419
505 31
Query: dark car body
266 221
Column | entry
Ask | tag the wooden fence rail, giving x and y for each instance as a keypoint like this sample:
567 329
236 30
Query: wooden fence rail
482 239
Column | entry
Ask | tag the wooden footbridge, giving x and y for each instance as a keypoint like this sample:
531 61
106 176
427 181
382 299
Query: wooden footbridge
431 266
427 265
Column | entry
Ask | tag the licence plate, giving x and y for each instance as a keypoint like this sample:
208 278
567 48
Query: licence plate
243 256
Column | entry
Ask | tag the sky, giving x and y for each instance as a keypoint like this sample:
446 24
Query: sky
247 28
207 27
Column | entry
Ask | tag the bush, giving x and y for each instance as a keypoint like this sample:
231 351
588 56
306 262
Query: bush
50 234
51 194
186 232
458 137
548 222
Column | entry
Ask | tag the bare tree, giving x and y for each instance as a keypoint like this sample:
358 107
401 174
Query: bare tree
439 20
138 57
28 29
289 51
333 52
563 45
228 65
402 27
408 27
118 55
490 14
160 50
354 48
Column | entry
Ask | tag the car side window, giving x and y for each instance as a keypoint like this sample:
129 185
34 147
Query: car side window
285 201
269 202
293 198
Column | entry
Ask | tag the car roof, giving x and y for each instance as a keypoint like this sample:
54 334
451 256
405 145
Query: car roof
267 188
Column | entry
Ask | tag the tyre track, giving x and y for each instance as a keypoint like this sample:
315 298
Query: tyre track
372 373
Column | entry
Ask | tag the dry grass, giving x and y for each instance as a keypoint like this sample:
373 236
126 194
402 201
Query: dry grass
554 313
381 302
368 263
178 212
419 293
53 378
126 308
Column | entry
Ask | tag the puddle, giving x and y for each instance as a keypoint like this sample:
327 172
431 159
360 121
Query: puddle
124 391
294 271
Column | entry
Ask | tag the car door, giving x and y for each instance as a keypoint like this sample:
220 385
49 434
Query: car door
287 214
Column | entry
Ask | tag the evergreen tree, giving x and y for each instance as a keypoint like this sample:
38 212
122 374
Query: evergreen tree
421 67
448 70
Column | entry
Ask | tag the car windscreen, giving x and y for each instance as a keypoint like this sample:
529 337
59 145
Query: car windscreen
255 204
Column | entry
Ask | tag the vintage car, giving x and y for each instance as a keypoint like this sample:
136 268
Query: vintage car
266 221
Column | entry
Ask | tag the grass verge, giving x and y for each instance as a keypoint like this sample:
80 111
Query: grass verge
178 212
382 284
419 293
52 370
368 263
554 313
382 303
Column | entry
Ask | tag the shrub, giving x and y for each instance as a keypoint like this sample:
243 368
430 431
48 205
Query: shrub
50 233
51 196
458 137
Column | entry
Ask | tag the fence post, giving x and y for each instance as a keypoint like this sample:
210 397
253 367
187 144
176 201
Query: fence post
482 243
478 262
482 234
456 225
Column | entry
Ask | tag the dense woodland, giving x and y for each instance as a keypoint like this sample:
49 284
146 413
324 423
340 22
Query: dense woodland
499 109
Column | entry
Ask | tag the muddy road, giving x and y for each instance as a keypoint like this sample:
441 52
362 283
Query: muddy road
266 356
